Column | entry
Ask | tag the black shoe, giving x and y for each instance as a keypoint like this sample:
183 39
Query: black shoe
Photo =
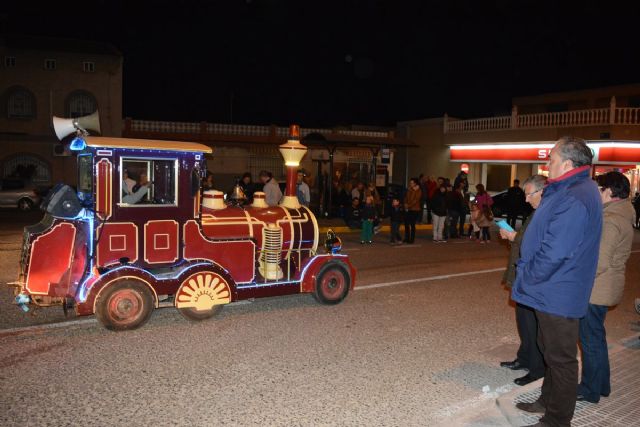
533 407
582 398
525 380
515 365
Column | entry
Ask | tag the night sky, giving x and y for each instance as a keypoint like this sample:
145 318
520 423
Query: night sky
322 63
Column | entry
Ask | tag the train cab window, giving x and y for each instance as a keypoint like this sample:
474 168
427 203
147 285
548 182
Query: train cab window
85 177
148 182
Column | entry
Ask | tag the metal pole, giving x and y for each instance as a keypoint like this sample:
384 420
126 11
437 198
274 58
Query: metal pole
330 183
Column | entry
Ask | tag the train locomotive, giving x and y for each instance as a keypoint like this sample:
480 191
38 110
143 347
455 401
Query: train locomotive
100 250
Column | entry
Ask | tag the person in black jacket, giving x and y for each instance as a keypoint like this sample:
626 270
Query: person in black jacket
515 203
636 206
455 210
354 217
397 217
439 214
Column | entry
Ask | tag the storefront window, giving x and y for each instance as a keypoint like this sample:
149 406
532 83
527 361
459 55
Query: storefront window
498 177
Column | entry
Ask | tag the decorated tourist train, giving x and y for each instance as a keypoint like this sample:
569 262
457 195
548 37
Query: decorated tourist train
120 248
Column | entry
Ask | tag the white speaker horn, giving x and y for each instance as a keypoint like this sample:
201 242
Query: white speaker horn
63 127
90 122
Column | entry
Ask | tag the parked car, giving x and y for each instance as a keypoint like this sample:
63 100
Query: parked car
14 193
500 207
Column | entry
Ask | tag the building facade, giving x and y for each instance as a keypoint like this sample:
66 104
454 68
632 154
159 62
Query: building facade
497 150
42 77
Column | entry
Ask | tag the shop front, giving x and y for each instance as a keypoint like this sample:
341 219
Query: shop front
500 164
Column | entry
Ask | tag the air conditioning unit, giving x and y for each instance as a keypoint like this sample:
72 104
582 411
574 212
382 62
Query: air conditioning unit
61 150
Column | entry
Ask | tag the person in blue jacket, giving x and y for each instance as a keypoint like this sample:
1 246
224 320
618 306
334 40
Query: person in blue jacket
556 271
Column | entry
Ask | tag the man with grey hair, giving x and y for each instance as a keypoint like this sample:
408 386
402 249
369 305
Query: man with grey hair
528 356
556 270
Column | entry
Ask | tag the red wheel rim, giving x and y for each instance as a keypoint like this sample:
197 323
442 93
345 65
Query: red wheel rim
125 306
333 283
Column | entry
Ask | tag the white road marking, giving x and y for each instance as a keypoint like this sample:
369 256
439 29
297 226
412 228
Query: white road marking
64 324
47 326
426 279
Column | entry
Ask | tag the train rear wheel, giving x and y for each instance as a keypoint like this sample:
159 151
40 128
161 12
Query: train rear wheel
202 295
125 304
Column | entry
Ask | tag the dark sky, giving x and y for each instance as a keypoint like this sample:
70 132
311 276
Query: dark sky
323 63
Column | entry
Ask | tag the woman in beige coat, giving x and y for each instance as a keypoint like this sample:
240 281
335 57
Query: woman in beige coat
615 248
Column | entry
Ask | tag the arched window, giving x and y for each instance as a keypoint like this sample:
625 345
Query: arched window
21 103
81 103
26 167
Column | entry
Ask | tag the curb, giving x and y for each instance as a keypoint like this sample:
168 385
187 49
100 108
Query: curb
343 229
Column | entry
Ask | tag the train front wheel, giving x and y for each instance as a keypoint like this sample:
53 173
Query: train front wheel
332 283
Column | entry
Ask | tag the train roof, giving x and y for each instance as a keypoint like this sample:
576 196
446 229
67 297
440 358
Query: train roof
147 144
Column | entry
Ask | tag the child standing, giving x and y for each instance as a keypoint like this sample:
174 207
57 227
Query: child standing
369 215
484 222
474 217
397 217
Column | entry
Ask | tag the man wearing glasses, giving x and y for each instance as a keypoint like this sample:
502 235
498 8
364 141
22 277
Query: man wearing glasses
528 356
556 270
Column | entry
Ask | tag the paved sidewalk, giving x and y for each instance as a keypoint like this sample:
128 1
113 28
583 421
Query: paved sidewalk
621 409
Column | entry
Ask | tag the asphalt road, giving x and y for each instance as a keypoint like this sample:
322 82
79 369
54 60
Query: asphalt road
418 342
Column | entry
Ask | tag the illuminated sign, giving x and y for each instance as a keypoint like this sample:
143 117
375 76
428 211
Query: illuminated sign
603 152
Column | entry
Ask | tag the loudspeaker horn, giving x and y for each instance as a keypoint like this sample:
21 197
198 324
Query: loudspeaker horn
65 127
90 122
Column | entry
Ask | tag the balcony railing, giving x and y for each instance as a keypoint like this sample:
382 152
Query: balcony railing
239 130
574 118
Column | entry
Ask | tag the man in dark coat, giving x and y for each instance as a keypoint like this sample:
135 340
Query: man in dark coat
529 355
556 271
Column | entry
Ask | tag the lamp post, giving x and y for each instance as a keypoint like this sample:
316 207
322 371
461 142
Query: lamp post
293 152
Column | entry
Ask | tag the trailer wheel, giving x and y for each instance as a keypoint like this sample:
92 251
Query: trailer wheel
202 295
332 284
126 304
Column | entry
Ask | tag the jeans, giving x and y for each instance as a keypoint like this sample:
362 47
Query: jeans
453 224
463 217
486 235
596 376
557 338
438 226
395 232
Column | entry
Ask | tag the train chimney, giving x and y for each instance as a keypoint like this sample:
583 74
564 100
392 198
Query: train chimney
293 152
